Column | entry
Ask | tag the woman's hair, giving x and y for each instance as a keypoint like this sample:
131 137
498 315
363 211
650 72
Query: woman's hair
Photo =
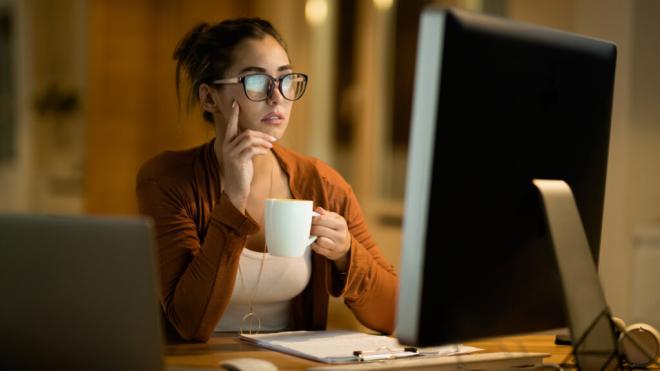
206 52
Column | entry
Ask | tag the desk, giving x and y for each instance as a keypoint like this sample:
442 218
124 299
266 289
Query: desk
227 346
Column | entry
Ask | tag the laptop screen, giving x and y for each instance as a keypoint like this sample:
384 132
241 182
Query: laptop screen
78 293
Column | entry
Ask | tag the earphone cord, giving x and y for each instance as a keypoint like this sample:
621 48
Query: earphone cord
605 313
576 345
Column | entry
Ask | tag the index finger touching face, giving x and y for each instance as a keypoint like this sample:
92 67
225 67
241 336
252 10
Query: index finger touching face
232 123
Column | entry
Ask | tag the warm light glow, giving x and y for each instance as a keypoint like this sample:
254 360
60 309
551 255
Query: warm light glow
383 4
316 11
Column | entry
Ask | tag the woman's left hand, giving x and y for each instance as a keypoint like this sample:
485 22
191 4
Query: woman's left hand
334 240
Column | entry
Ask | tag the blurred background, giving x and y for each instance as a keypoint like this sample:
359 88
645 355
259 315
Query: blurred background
87 95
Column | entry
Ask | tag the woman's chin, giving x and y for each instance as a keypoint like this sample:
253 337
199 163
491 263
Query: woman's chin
276 131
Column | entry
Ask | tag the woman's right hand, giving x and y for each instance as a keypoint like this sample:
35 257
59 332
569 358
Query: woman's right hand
237 150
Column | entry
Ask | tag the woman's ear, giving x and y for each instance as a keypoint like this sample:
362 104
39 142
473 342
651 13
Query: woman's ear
207 99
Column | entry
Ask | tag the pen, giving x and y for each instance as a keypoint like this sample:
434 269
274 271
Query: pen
363 356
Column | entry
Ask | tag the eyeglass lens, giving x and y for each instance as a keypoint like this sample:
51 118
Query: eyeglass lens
258 86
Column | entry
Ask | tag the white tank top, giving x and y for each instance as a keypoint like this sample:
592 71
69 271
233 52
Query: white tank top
282 279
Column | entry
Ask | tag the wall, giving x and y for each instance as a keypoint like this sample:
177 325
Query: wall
133 111
46 173
645 116
551 13
644 165
116 56
13 167
613 20
633 188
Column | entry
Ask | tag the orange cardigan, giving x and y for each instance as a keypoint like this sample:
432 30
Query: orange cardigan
200 236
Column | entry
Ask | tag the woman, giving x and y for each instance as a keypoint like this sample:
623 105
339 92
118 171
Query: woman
207 202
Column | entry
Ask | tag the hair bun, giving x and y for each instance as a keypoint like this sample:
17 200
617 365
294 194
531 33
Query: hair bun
187 44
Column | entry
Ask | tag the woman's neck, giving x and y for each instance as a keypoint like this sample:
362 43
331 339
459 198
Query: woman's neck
263 166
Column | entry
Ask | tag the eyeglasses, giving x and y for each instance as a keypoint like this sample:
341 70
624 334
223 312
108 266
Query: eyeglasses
259 87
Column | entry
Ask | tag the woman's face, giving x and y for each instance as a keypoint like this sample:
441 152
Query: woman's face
251 56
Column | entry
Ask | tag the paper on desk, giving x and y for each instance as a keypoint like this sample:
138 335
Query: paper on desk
337 346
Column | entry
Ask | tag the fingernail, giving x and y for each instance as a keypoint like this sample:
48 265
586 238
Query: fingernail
273 139
234 104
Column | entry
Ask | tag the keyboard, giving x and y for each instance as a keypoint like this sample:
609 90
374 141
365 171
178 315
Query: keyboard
477 361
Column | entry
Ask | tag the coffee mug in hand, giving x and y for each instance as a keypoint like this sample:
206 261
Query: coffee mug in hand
288 223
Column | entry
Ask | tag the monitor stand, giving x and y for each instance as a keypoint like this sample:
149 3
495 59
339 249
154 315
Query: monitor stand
594 341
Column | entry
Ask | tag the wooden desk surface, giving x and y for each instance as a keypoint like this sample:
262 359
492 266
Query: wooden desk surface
526 343
228 346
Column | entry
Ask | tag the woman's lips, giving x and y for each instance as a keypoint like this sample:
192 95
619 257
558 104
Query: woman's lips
273 118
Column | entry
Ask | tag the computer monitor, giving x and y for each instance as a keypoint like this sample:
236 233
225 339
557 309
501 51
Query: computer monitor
496 105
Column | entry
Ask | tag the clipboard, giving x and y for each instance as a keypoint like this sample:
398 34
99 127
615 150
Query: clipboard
342 346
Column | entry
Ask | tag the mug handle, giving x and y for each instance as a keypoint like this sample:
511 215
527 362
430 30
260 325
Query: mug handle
313 238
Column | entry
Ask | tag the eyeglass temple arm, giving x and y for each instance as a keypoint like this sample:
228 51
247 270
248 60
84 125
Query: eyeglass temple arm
227 81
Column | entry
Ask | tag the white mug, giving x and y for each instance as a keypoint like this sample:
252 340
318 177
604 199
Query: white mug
287 224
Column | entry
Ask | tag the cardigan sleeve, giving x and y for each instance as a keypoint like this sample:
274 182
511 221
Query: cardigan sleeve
197 277
371 286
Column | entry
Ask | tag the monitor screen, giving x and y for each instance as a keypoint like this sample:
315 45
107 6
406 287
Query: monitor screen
497 104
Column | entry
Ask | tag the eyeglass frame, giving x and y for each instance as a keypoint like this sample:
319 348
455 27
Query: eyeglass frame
269 93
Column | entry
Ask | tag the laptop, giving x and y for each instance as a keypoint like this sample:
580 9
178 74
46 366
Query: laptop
78 293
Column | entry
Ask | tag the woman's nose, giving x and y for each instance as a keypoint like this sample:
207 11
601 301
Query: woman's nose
274 95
